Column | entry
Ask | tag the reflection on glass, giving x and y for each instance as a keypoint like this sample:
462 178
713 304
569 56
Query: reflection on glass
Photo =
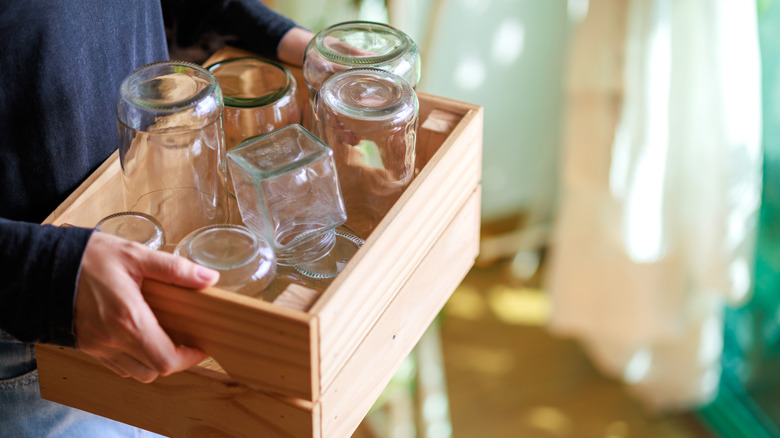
259 97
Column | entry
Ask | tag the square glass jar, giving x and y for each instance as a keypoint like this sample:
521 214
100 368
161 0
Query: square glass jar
288 192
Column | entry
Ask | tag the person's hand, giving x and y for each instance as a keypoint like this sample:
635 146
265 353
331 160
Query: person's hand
112 321
293 45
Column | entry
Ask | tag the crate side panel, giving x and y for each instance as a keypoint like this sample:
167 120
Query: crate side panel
399 328
95 198
361 293
187 404
252 344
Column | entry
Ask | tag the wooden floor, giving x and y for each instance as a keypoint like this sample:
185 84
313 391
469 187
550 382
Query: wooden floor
507 377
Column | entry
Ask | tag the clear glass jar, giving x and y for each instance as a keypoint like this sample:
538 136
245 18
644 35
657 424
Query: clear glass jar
369 118
356 44
288 191
135 227
172 149
246 263
260 97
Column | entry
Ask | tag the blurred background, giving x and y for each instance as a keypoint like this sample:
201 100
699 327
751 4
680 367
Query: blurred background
628 275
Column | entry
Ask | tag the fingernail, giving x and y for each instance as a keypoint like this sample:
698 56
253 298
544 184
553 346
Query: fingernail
206 274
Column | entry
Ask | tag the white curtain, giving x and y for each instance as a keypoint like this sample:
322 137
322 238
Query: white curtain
661 184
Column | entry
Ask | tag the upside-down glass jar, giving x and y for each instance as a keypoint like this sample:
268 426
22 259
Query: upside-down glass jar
246 263
369 118
172 149
260 97
135 227
288 192
356 44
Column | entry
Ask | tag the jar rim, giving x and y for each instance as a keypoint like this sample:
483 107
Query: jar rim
266 99
406 104
405 43
254 245
136 77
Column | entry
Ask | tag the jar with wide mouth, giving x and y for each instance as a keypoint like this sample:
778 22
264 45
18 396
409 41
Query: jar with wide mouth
246 263
259 96
171 146
357 44
134 226
369 118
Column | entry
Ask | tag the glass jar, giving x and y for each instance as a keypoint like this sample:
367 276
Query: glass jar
288 192
369 118
172 150
246 263
356 44
260 97
135 227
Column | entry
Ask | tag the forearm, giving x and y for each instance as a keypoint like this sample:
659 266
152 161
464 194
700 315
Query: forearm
40 267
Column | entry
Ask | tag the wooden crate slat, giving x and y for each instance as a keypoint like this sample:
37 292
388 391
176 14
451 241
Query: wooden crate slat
271 349
397 331
187 404
95 198
396 246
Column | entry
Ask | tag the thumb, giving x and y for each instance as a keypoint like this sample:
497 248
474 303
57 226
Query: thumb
173 269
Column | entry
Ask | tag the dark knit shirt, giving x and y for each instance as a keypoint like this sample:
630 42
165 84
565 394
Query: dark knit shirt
61 64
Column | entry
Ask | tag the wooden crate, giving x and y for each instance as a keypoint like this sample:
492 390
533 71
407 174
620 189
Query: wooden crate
291 373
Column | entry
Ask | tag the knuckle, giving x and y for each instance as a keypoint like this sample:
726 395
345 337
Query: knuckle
166 367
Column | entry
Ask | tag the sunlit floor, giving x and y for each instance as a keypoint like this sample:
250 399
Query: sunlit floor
507 377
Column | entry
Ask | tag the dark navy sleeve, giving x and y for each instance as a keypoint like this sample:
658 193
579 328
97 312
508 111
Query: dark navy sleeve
250 24
62 64
39 271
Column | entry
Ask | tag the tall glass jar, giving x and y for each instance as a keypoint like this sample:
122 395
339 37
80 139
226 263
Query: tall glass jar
172 149
369 118
356 44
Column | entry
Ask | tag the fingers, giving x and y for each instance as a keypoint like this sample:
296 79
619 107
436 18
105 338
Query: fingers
127 366
112 321
161 354
141 349
177 270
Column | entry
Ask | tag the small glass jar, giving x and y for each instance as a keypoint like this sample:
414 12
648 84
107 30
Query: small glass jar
172 149
135 227
260 97
369 118
356 44
288 191
246 263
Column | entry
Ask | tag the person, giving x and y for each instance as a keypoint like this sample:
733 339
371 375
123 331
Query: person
62 64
